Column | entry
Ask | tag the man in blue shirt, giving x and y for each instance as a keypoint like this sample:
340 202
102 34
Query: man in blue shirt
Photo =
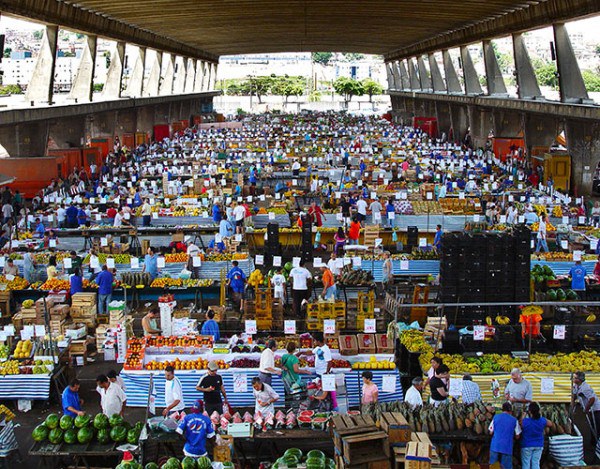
71 403
196 428
104 281
216 213
71 216
504 429
577 274
236 280
39 228
151 263
226 229
437 241
210 326
216 247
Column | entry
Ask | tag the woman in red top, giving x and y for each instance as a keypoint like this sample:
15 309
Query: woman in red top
354 231
316 214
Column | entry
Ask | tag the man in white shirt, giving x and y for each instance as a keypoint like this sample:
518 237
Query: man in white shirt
322 355
541 235
267 369
361 209
300 276
112 396
173 393
61 216
278 282
413 396
333 265
239 212
375 209
120 219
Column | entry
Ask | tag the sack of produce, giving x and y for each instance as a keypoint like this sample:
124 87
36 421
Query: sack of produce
567 450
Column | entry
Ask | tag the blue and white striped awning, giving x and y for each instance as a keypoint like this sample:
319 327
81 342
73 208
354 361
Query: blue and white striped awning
32 387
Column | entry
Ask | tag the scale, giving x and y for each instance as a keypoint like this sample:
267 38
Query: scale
524 356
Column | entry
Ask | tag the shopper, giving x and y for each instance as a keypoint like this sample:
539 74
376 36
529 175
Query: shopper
51 270
149 324
113 398
354 232
71 402
266 368
114 378
265 397
146 213
329 289
370 392
29 266
532 437
291 369
438 386
279 286
577 274
210 326
151 263
518 390
584 395
470 390
236 279
316 214
196 428
300 277
435 364
504 429
173 393
387 270
212 386
105 287
541 235
340 241
414 396
437 240
76 282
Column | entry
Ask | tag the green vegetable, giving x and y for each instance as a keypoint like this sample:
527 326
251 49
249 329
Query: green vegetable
52 421
118 434
40 433
66 422
101 421
85 435
56 436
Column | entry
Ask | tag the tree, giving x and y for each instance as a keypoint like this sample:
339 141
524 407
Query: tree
10 89
98 87
371 88
260 86
546 74
322 58
352 56
37 35
107 58
348 87
591 80
288 86
7 52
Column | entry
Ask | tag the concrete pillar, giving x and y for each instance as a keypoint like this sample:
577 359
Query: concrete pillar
508 124
390 76
452 81
24 140
145 119
191 76
41 86
152 87
403 73
570 81
583 144
209 76
493 74
460 122
436 75
423 75
540 130
179 74
166 85
472 85
67 132
527 84
83 84
199 76
415 83
442 113
114 77
215 72
135 87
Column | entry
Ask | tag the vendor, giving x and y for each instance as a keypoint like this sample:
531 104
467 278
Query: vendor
577 274
196 429
413 396
10 268
113 397
265 397
438 386
76 282
212 387
210 326
151 263
173 393
320 400
267 367
76 262
71 402
435 364
291 369
149 323
370 392
585 395
217 247
518 390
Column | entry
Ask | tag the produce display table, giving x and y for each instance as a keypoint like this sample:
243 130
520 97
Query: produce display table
51 455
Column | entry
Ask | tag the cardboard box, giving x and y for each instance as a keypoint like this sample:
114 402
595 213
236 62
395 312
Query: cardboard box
177 238
366 343
348 345
39 305
384 345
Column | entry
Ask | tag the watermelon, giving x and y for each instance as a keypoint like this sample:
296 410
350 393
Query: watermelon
118 434
228 465
70 436
103 436
294 452
551 295
52 421
151 465
56 436
40 433
288 266
307 413
172 463
315 453
85 435
116 421
66 422
203 463
561 295
82 421
133 436
304 422
571 295
101 421
315 463
188 463
290 461
319 423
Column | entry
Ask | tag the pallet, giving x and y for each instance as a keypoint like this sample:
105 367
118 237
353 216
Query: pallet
365 448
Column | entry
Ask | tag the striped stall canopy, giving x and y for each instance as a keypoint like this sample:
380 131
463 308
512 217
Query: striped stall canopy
137 383
33 387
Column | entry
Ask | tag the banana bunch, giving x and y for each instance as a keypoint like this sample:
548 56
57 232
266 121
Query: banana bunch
256 278
488 320
502 320
557 211
590 318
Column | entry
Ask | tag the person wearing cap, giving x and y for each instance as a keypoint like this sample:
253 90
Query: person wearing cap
413 396
196 428
585 395
212 387
265 397
267 368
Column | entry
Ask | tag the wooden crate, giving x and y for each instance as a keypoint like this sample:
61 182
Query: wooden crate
5 303
365 448
84 299
417 455
397 428
345 425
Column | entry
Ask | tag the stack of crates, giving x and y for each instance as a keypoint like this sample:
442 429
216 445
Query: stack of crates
365 308
316 313
263 306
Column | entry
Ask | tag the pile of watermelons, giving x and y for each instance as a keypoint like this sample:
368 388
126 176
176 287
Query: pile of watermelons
83 429
185 463
314 459
540 275
561 295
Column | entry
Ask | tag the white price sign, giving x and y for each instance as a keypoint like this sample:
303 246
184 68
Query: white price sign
329 326
370 326
404 265
259 260
547 386
328 382
276 261
289 326
478 332
388 384
160 262
135 263
559 332
250 326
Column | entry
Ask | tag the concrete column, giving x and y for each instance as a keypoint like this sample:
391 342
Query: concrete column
215 70
472 85
83 84
41 85
508 124
423 75
151 88
583 144
452 81
191 76
166 86
395 75
135 87
390 76
404 78
436 75
209 74
199 76
181 72
114 77
527 84
442 112
493 74
415 83
570 81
